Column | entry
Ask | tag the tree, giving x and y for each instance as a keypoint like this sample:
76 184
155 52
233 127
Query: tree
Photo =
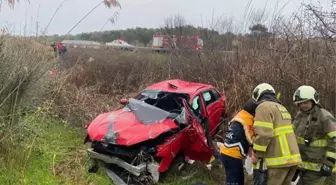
259 31
323 21
144 35
175 25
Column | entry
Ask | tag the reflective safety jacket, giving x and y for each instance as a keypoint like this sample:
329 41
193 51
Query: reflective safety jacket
238 138
275 141
316 136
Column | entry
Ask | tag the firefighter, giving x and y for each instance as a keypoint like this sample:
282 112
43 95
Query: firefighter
237 142
276 152
315 129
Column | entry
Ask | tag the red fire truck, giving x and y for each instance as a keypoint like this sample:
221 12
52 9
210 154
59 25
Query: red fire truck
166 42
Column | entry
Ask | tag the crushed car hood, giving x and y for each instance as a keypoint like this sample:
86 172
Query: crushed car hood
135 123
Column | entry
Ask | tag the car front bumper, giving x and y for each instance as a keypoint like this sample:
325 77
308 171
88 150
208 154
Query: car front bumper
152 168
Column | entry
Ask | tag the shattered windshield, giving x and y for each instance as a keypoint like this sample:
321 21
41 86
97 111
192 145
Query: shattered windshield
145 113
168 101
152 94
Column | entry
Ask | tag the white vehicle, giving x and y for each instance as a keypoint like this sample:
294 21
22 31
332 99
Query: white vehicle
121 44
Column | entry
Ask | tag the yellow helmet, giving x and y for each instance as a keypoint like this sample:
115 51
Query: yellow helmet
260 89
305 93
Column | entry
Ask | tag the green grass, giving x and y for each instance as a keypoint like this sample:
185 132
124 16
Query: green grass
52 153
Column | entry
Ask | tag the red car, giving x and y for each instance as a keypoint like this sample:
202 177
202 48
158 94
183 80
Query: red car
165 120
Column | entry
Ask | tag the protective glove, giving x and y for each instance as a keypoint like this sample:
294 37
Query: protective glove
262 164
326 170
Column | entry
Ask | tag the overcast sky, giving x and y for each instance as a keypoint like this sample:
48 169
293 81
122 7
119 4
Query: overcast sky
141 13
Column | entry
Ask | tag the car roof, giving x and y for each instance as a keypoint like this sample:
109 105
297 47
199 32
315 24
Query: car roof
179 86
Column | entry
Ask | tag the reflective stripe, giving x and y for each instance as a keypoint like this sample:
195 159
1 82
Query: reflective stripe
235 145
310 166
281 133
316 143
259 147
284 145
332 134
257 165
331 154
284 113
283 130
263 124
313 166
286 116
283 160
246 130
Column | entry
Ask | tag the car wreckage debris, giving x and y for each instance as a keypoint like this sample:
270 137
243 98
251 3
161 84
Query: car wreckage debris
135 170
152 168
115 178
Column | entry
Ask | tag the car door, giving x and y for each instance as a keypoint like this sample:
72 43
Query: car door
198 147
214 108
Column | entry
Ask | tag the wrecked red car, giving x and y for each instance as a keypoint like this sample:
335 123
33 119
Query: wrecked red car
165 120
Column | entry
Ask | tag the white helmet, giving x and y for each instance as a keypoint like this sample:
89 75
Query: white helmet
260 89
305 93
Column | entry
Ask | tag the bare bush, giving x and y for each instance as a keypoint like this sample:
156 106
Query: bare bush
24 84
284 56
23 62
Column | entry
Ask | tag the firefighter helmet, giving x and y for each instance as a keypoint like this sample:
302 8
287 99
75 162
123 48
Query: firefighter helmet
305 93
261 89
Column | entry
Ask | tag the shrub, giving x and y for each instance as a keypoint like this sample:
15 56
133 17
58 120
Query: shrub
23 63
117 74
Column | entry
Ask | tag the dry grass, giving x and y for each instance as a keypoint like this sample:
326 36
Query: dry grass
113 75
24 64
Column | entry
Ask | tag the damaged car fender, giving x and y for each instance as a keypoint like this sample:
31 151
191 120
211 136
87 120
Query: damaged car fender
169 150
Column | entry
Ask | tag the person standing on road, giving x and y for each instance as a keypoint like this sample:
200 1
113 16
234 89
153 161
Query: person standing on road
59 48
238 140
315 129
276 153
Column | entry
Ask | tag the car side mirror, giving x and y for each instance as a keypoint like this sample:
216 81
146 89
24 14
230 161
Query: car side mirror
124 101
